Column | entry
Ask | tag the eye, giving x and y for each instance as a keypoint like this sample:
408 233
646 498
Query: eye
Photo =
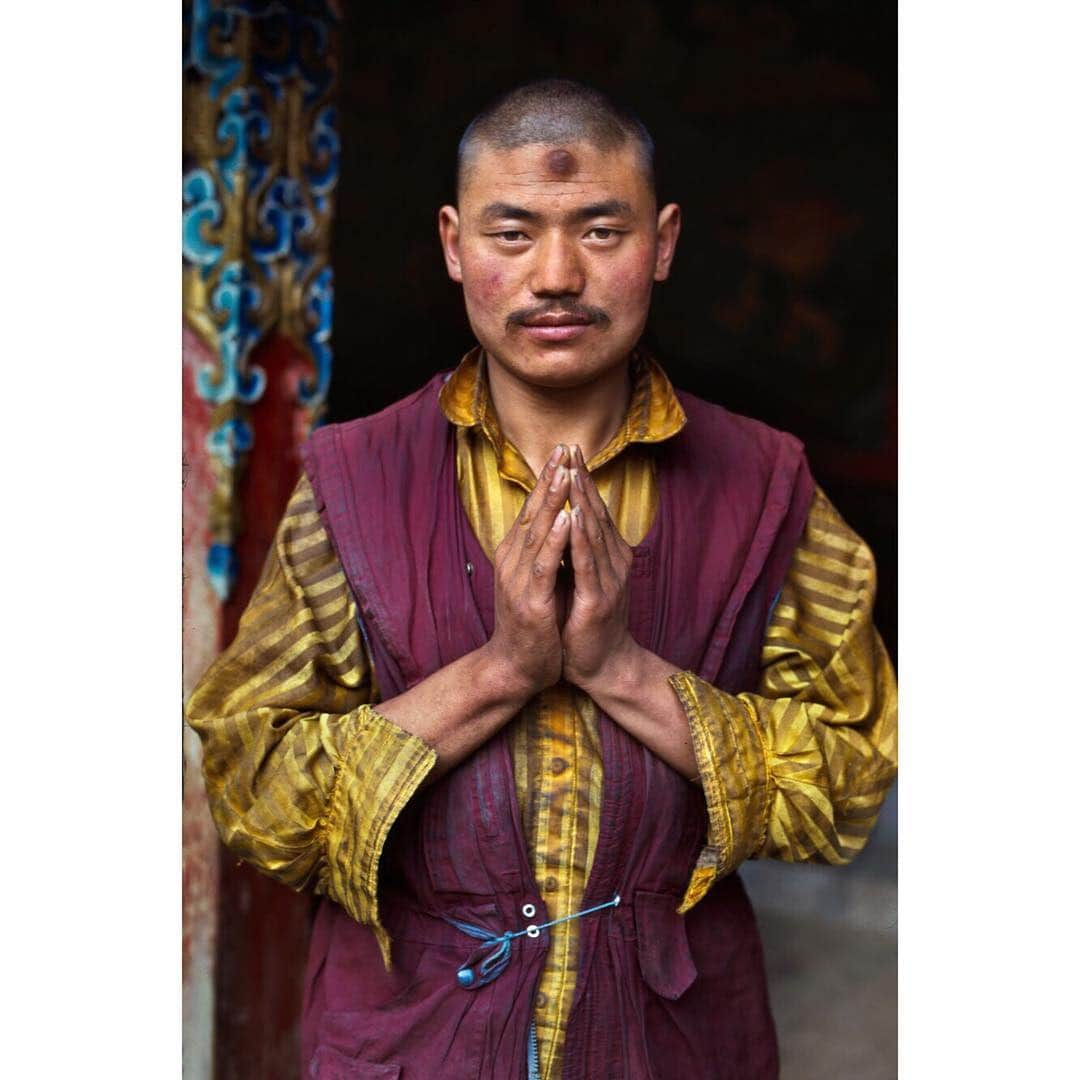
602 232
511 236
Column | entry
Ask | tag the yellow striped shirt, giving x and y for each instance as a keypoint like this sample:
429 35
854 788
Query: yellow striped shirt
305 777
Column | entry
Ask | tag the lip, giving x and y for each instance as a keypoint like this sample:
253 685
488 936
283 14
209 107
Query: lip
554 331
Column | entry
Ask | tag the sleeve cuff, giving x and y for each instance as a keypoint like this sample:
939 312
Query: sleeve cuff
734 776
381 768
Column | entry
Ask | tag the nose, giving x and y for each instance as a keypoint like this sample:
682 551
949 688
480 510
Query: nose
557 269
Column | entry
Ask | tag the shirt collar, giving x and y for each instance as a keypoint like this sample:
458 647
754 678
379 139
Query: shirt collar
653 415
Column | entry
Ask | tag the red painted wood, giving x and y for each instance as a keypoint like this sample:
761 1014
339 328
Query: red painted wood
201 643
263 927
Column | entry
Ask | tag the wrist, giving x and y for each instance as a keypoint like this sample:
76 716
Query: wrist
501 678
619 678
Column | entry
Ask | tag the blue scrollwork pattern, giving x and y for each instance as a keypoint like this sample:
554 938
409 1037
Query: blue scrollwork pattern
221 568
261 165
286 223
230 440
326 152
202 210
242 125
209 29
237 299
297 35
320 308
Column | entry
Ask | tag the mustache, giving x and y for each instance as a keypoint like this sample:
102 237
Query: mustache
562 307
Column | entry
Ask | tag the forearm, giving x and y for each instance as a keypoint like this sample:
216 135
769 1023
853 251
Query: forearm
633 688
458 708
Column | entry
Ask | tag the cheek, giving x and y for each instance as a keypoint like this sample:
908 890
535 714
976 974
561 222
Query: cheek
486 283
491 286
633 278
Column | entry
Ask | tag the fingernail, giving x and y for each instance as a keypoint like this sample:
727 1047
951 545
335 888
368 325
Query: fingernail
576 515
561 519
575 478
556 456
580 455
560 476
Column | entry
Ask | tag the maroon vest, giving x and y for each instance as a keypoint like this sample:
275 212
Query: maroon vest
658 994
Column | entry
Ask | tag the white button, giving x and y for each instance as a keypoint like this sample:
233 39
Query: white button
532 931
528 911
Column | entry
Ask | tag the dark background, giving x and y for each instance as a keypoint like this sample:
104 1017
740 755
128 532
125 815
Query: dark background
775 127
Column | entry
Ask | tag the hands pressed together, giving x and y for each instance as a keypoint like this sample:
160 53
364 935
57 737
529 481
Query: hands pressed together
531 635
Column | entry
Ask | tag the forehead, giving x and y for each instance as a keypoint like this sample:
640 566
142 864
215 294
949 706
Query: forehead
554 172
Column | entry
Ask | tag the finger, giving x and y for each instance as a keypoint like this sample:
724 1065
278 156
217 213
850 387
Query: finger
530 508
545 508
545 564
592 529
618 550
592 493
586 567
559 456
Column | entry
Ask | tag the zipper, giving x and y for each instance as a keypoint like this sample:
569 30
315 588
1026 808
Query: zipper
534 1053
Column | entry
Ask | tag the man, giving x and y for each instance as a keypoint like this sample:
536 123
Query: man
540 655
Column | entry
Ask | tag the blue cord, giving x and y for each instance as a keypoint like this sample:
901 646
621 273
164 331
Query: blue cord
489 967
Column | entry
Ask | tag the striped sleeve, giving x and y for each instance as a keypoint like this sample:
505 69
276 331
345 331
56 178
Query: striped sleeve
303 776
798 770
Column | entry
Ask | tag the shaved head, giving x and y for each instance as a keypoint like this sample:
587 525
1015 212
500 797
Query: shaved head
556 113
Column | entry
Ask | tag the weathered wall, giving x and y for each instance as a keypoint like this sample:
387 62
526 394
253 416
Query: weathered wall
201 642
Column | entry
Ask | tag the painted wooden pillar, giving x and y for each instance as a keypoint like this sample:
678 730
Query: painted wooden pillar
260 167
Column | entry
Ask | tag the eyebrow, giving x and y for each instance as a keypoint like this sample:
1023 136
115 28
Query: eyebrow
608 208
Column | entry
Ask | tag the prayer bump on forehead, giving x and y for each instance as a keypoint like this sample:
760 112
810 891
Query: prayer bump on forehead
561 162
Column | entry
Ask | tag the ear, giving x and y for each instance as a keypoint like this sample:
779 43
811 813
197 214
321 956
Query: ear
668 224
448 235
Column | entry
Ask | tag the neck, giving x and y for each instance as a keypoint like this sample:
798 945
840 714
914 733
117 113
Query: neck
536 418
